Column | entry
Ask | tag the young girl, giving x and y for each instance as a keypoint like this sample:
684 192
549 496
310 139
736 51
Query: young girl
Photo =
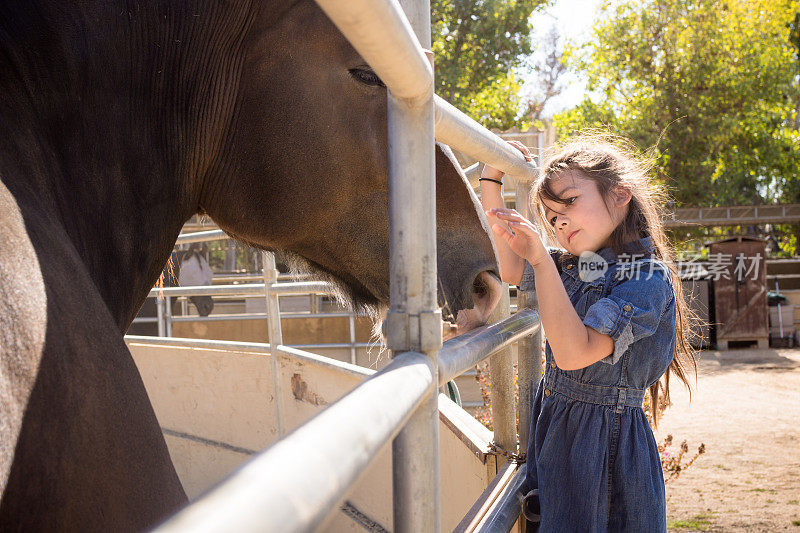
614 316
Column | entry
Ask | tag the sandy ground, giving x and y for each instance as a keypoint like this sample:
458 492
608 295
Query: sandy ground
746 409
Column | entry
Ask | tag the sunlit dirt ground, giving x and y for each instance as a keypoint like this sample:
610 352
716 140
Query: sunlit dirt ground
746 410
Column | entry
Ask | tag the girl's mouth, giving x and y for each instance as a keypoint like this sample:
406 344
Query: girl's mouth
569 238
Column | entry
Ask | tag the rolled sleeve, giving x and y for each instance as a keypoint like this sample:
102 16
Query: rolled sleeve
631 311
528 283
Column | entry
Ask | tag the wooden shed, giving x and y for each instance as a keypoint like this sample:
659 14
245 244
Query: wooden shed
739 277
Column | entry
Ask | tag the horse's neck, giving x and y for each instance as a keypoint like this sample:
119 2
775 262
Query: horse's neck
100 149
121 224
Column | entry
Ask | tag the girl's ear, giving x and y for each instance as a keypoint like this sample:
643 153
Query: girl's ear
621 193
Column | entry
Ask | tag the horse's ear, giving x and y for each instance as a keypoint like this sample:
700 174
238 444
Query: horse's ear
449 171
445 153
446 162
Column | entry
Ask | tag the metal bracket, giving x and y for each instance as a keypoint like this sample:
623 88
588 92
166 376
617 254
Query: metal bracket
406 332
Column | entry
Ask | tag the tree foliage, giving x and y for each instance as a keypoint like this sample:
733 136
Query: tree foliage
478 47
713 85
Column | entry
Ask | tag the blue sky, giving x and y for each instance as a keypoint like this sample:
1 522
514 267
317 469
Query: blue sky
574 19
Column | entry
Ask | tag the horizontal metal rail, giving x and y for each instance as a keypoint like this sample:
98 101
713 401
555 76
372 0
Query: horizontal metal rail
473 172
247 289
506 509
202 236
498 507
298 481
242 289
259 276
250 316
145 320
459 131
467 136
465 351
303 287
250 347
332 345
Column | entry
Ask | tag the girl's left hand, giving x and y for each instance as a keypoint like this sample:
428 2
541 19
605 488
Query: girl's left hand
525 241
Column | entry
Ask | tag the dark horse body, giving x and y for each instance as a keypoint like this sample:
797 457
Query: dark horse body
120 121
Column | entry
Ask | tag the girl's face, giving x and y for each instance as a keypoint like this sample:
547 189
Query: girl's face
584 223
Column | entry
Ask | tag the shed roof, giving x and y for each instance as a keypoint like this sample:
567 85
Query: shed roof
738 238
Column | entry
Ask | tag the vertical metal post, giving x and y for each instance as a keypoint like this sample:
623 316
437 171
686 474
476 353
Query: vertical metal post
351 321
524 345
274 333
414 319
168 316
160 314
230 255
530 372
529 349
501 369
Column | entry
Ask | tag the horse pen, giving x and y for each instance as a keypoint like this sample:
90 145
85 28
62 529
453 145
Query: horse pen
312 470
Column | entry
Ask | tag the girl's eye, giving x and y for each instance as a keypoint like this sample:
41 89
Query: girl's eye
569 202
367 77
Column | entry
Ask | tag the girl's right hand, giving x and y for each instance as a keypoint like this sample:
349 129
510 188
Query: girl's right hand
525 241
495 174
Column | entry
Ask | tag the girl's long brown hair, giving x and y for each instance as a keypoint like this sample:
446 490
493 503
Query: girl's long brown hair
609 161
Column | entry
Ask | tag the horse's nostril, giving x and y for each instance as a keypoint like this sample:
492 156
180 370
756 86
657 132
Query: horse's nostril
479 288
486 289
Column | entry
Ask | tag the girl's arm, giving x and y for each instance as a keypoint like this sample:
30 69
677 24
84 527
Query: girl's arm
511 265
574 344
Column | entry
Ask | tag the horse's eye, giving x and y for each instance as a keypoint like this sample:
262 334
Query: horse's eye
367 77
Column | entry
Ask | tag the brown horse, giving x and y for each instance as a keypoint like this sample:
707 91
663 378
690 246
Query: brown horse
120 121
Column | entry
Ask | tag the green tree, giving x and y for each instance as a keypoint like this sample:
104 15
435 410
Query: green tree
479 46
711 84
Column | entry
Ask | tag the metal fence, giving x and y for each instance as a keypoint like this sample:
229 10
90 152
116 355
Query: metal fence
297 482
241 285
284 285
247 286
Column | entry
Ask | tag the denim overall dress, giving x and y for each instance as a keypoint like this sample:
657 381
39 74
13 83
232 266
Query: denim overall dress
591 454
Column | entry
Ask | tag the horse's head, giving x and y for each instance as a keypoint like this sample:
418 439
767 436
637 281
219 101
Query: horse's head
304 169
